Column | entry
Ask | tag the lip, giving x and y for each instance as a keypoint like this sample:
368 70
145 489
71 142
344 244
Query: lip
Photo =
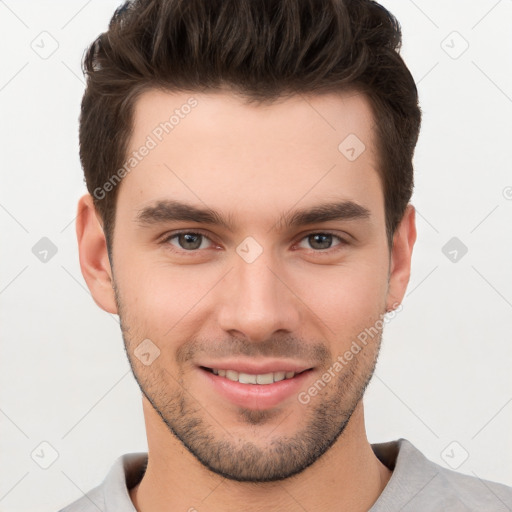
254 396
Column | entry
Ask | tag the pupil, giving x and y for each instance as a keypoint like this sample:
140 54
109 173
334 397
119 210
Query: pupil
323 244
189 238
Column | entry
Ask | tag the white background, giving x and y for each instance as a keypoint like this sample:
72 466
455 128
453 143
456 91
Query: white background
444 371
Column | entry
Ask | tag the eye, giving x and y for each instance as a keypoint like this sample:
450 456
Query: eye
193 241
188 240
321 241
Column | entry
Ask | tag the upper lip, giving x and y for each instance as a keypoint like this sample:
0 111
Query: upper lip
257 368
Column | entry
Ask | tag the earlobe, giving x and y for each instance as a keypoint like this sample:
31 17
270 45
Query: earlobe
93 254
401 254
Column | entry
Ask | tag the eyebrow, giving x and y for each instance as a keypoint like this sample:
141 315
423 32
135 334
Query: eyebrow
164 211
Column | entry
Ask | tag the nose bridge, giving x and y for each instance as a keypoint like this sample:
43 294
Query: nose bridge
255 301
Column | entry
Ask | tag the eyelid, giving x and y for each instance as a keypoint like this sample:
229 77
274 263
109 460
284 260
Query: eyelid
192 231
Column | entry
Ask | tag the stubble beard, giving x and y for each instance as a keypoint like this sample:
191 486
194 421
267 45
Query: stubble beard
271 459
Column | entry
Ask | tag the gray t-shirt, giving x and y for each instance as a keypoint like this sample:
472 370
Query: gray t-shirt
416 485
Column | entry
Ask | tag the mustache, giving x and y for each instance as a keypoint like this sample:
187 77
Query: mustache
287 347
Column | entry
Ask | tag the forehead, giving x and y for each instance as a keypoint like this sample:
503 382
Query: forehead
225 118
216 149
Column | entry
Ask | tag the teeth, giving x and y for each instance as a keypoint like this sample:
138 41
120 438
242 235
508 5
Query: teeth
265 378
279 376
232 375
248 378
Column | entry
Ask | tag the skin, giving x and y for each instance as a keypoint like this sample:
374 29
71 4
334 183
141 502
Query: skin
296 301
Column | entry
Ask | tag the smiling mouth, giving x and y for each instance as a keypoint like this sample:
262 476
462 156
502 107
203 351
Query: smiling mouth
249 378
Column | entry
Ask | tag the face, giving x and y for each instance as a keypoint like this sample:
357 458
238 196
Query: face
233 315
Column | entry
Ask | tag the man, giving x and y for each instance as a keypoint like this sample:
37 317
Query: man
249 165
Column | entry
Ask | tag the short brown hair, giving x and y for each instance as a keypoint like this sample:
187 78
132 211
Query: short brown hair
260 49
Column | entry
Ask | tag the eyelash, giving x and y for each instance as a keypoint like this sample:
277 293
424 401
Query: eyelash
329 251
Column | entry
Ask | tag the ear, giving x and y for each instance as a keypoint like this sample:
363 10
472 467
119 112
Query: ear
93 254
400 262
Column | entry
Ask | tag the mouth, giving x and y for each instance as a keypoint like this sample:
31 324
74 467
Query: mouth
252 378
257 391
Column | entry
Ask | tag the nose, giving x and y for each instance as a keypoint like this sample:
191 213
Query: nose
257 301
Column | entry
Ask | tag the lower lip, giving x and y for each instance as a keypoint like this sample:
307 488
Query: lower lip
256 396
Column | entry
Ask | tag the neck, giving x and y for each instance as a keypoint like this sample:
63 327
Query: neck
347 477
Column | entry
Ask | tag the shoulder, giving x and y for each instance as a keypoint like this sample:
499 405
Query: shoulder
90 502
420 485
472 491
112 495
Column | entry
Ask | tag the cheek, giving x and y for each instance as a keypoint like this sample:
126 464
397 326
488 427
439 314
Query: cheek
159 299
344 297
162 300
